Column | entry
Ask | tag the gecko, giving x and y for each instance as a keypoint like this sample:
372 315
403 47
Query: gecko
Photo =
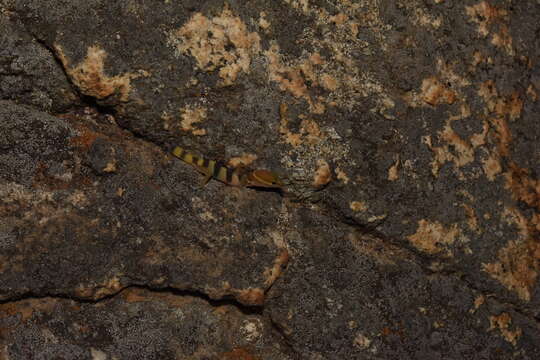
239 176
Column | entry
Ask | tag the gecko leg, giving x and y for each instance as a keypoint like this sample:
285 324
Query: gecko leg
206 179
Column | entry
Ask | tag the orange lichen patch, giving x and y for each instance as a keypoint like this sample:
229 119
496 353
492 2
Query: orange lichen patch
134 295
289 137
472 220
323 174
503 322
358 206
78 199
480 138
98 291
503 40
353 82
478 301
191 115
110 167
492 166
448 74
208 41
244 160
329 83
316 59
4 353
531 91
478 58
511 106
89 75
523 186
488 91
519 261
434 92
338 19
289 79
84 139
393 174
309 130
292 78
26 308
263 23
503 136
425 19
515 269
275 271
251 296
484 14
342 175
455 149
464 152
434 237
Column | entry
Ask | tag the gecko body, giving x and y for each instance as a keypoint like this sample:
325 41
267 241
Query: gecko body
239 176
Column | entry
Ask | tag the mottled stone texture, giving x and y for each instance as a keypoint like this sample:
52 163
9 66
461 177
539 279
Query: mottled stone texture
408 131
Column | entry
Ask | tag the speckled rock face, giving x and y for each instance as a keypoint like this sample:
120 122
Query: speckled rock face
407 132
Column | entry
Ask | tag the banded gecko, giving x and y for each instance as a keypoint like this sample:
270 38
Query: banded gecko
239 176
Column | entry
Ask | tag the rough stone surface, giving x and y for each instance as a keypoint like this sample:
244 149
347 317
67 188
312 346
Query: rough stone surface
408 129
137 324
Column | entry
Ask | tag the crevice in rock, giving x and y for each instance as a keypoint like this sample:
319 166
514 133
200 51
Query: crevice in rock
244 309
85 100
527 313
423 262
57 60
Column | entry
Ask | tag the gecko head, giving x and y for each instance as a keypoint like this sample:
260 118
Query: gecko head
265 179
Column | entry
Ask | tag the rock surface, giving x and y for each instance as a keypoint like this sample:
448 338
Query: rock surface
408 129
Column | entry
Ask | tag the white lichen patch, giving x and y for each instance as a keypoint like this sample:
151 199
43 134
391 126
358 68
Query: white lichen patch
78 199
252 329
13 192
362 341
222 42
98 354
203 209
